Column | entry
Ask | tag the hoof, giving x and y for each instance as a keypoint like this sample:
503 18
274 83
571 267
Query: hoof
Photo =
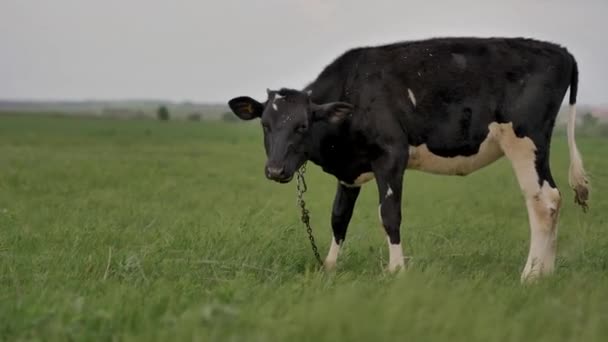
329 265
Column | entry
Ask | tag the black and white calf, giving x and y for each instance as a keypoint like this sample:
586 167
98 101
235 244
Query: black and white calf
447 106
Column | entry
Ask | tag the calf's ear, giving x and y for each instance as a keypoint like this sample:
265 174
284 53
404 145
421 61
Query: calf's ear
246 108
333 112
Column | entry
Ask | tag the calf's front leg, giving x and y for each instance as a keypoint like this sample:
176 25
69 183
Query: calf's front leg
344 203
389 177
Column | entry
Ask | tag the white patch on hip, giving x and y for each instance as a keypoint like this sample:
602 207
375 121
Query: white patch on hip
332 255
395 256
411 96
521 152
422 159
360 180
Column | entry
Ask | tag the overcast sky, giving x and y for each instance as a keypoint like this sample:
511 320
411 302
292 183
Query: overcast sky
205 50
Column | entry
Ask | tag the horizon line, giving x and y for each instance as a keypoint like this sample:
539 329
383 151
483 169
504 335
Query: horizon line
117 99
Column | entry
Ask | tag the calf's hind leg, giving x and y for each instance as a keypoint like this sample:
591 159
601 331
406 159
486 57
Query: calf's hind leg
531 166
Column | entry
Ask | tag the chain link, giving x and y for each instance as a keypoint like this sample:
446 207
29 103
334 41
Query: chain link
305 218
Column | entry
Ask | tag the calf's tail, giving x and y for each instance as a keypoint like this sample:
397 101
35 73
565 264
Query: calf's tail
577 177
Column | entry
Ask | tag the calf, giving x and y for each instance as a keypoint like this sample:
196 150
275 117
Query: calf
446 106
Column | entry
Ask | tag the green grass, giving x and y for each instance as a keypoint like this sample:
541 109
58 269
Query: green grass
143 231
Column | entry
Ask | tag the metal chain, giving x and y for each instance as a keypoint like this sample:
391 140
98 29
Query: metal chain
305 218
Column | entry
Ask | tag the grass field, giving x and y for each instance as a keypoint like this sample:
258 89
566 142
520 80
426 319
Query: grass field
149 231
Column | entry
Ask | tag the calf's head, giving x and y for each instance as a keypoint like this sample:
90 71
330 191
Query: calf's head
288 117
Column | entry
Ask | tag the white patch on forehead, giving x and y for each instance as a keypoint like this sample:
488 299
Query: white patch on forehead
412 97
274 101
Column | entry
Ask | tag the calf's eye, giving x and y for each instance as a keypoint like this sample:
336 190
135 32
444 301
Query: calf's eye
302 128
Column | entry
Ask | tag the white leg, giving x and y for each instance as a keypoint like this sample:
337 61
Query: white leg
332 255
395 252
543 211
542 202
395 257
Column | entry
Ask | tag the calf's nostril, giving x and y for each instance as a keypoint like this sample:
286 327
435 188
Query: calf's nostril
275 172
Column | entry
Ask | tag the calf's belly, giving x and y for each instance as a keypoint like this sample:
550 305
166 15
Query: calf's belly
422 159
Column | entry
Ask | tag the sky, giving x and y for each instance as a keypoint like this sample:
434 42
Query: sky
211 51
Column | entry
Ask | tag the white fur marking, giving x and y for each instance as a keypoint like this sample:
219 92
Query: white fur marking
542 202
421 158
389 192
395 256
332 255
522 154
412 97
274 101
543 210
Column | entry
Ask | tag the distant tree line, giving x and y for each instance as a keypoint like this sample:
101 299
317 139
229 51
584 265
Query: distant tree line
588 126
591 126
229 117
162 113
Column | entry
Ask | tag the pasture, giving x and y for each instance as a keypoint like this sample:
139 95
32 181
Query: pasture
150 231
